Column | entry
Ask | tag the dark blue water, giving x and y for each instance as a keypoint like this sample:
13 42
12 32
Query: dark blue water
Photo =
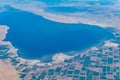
36 37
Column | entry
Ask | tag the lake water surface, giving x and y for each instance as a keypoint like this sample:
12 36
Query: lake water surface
36 37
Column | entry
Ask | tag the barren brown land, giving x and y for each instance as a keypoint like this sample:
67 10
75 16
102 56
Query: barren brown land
7 72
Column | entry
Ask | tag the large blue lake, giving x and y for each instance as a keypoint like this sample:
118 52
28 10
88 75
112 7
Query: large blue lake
36 37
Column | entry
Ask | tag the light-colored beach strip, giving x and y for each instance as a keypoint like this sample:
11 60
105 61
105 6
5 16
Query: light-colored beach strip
56 58
3 32
60 57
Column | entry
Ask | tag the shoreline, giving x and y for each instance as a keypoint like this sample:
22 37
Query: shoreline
61 56
13 51
99 19
3 31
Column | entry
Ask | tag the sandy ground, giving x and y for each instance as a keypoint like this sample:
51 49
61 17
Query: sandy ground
7 72
3 32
